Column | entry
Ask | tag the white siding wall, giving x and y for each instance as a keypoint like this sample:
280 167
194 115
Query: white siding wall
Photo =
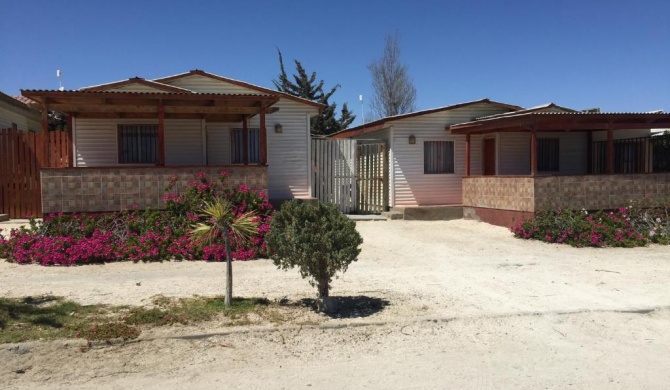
218 143
412 186
205 84
24 119
137 88
183 142
513 153
96 141
288 152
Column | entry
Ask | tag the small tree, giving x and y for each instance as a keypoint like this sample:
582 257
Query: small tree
220 223
317 239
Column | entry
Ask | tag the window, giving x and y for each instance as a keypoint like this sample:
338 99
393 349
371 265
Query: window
138 144
438 157
237 146
547 154
15 126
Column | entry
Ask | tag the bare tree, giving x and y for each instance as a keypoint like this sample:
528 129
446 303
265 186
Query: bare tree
394 91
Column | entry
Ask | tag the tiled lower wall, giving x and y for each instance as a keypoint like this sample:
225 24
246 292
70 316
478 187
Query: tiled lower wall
114 189
596 192
591 192
499 192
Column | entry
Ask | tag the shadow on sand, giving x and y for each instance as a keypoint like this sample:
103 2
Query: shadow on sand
350 307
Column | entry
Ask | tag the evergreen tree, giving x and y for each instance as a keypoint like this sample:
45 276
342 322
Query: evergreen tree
305 86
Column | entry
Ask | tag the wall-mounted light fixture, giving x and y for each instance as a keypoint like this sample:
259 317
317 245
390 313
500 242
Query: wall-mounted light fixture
279 128
412 140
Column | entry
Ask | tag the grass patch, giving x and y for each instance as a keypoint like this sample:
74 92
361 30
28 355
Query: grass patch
49 317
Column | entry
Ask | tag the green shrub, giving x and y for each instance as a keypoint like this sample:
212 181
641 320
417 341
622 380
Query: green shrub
317 239
625 227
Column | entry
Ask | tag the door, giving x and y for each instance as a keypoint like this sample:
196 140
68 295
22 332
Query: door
490 156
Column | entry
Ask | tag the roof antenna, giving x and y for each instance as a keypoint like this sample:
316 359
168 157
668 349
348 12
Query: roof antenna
60 85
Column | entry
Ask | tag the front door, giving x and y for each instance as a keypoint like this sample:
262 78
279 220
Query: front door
490 156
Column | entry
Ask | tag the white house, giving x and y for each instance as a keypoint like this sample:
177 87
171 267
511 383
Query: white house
16 114
144 131
500 161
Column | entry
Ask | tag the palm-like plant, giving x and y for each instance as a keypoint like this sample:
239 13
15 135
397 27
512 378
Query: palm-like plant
221 222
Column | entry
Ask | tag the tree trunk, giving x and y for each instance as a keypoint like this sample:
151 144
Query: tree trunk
324 302
229 272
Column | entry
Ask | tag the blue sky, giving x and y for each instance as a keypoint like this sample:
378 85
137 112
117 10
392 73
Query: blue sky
610 54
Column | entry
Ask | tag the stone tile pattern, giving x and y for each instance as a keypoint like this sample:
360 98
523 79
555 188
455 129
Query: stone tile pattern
499 192
596 192
114 189
590 192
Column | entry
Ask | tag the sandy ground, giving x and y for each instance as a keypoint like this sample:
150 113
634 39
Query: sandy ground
465 305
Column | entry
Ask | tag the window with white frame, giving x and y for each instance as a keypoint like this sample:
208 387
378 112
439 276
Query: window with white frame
237 146
438 157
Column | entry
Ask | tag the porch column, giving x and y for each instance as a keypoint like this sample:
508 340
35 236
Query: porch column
610 150
589 152
264 142
70 142
533 152
245 141
467 154
161 135
43 141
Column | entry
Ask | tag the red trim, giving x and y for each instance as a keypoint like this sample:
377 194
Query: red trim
610 150
467 154
70 142
231 166
264 142
245 142
161 135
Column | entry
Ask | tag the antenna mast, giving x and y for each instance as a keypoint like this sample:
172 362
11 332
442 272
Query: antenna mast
60 84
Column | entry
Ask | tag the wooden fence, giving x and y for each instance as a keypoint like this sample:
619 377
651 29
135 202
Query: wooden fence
22 155
352 174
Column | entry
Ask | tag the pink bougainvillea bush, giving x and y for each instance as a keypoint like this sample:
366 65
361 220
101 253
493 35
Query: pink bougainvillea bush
146 235
625 227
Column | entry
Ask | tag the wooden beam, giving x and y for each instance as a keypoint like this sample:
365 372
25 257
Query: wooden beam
151 109
245 141
264 143
610 151
533 152
161 136
42 143
70 143
467 154
589 152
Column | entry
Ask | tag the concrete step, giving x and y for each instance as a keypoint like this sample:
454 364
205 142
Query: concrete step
429 213
391 215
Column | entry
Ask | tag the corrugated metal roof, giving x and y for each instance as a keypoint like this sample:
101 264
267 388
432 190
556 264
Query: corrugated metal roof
147 93
527 110
375 125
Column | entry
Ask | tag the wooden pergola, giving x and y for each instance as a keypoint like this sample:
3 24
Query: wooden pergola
535 122
173 104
